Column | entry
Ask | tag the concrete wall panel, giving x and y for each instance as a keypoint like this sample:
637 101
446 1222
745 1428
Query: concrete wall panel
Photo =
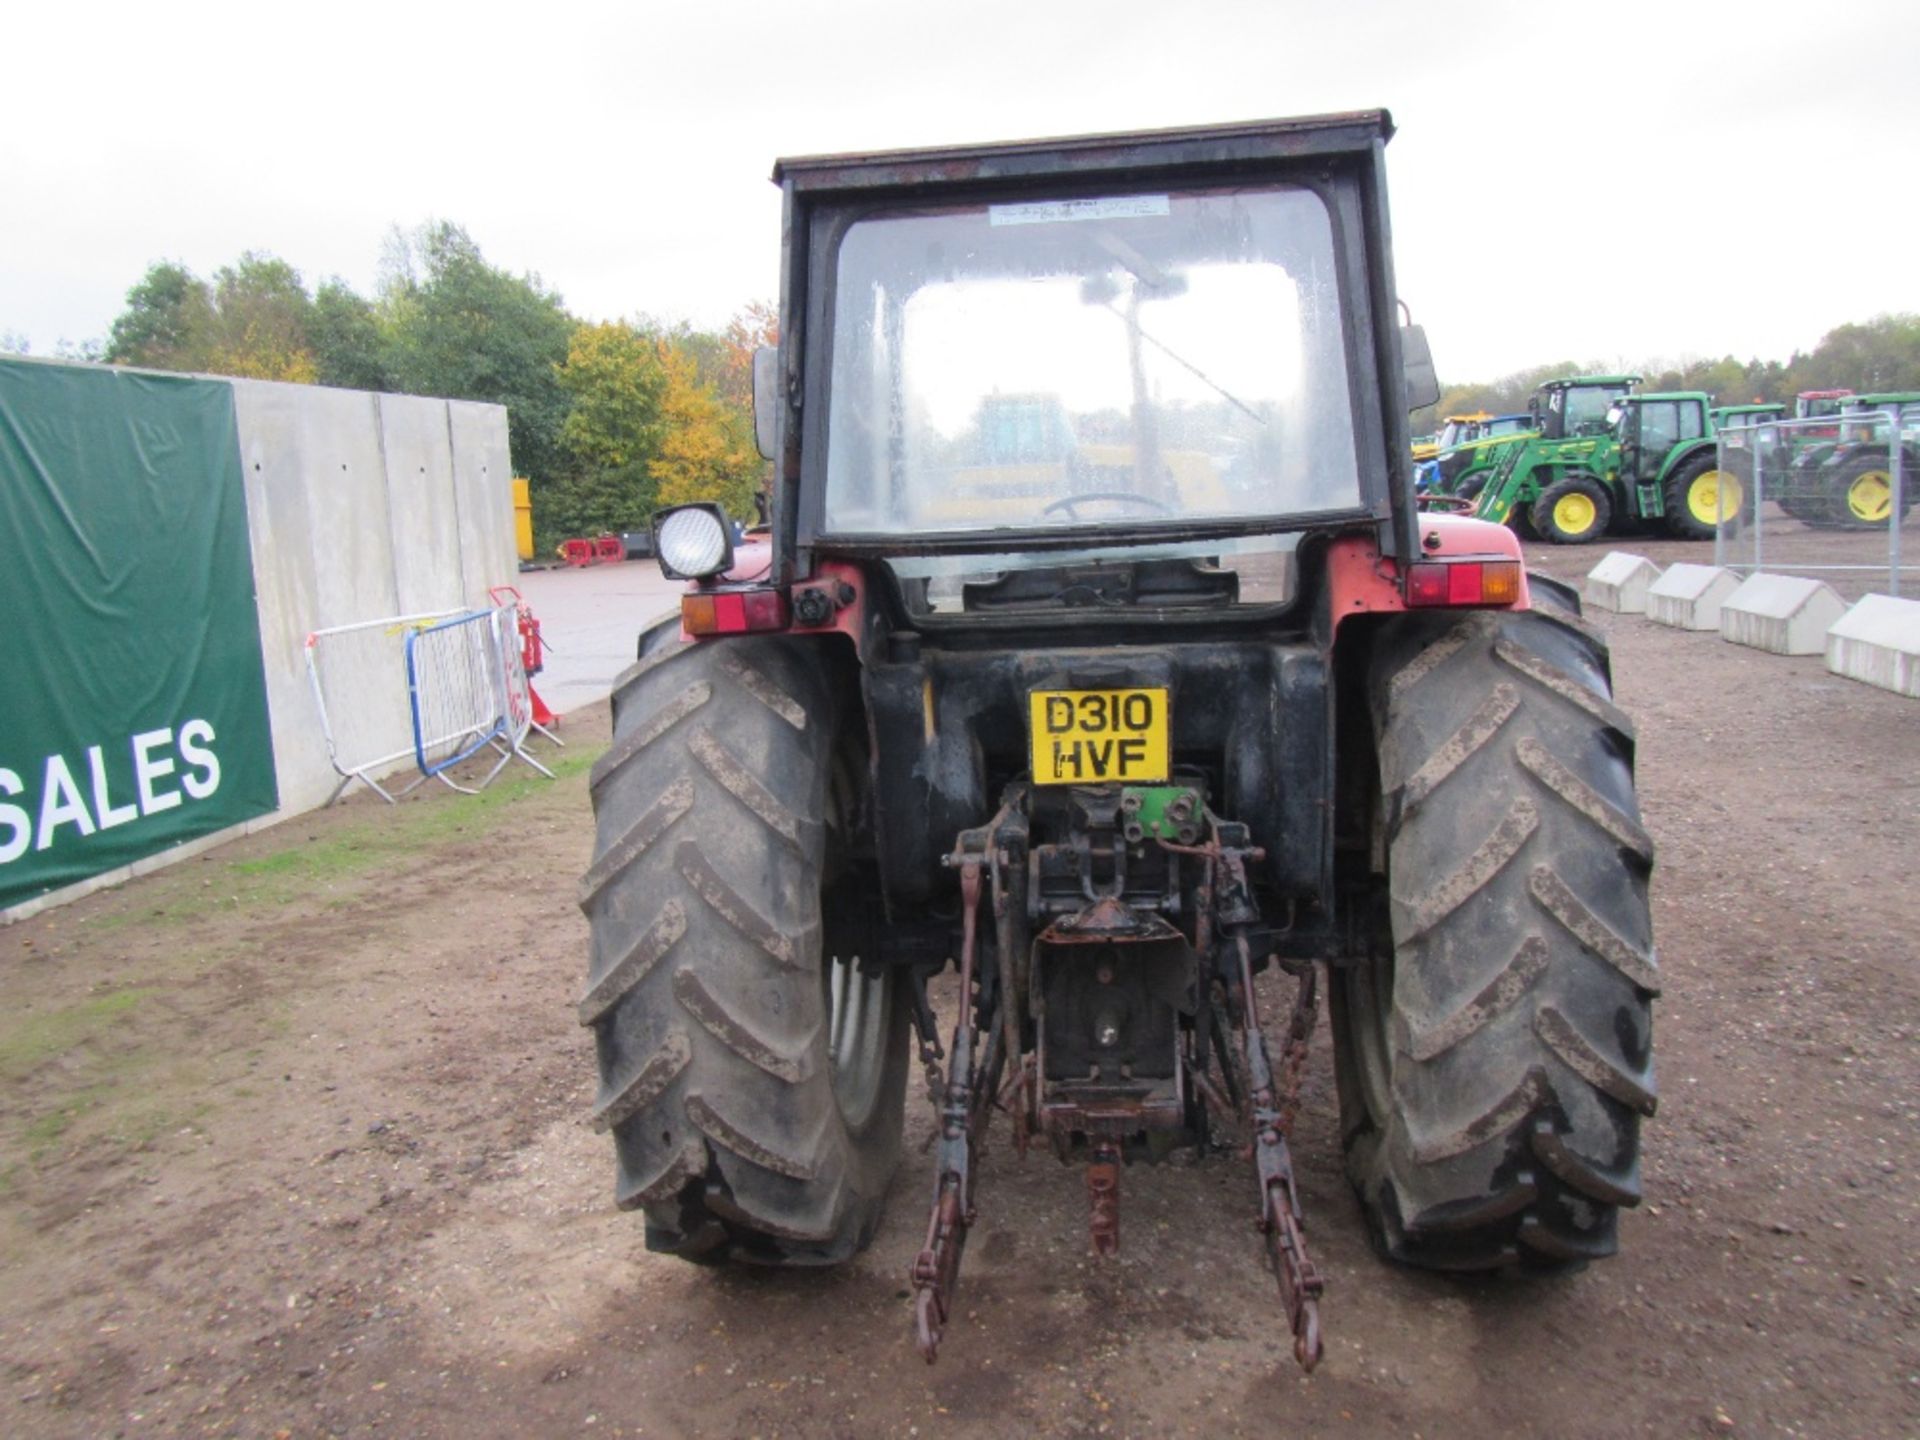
280 529
355 515
421 505
483 488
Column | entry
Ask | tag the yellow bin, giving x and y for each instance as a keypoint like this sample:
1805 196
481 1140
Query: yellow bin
522 519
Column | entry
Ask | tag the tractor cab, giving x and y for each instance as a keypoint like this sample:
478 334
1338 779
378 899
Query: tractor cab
1817 404
1454 430
1746 427
1721 416
1649 427
1460 429
1864 417
1578 405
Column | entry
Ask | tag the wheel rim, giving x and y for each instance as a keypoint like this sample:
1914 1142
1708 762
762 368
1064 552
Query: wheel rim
857 1009
1574 514
1870 496
1704 496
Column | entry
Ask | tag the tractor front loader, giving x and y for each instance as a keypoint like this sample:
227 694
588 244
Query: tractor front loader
1648 460
1181 692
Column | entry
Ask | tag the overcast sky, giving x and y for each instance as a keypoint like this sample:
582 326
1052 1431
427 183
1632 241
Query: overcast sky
1597 181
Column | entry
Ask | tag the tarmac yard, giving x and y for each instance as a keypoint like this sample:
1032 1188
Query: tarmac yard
292 1143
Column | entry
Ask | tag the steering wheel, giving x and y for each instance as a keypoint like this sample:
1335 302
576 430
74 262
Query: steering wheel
1070 503
1449 504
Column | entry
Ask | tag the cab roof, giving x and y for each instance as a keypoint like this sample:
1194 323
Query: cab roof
1571 381
1139 151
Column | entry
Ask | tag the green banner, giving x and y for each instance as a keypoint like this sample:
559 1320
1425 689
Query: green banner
136 710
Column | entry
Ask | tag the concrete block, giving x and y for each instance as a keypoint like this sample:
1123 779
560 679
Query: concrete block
1689 597
1620 582
1787 614
1878 642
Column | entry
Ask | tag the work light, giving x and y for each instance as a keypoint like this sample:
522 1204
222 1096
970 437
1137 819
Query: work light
692 542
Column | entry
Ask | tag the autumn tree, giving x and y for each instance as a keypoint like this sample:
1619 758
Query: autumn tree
702 457
615 385
257 326
753 327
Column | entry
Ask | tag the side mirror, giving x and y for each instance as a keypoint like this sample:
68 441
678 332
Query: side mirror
1416 363
766 398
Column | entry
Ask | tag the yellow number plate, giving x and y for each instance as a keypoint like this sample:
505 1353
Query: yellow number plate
1095 737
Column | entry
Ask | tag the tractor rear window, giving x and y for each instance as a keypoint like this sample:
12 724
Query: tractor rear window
1137 359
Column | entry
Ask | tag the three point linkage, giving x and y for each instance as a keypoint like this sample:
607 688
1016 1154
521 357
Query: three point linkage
965 1100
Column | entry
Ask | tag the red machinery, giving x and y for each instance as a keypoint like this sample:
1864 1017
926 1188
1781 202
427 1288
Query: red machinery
600 550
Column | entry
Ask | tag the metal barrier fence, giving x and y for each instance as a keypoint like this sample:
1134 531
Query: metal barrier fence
1830 495
457 689
469 692
368 727
437 688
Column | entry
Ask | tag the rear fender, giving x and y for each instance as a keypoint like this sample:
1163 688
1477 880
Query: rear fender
1878 450
1362 581
1680 455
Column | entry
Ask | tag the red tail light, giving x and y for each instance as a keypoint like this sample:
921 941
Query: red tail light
733 612
1463 582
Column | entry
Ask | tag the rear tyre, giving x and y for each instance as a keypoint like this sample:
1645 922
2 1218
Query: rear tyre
1860 493
1494 1051
754 1084
1573 511
1695 494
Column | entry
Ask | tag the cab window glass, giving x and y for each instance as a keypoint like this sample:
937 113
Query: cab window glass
1659 426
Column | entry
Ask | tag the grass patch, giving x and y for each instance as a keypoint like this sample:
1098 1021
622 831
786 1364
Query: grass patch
32 1040
387 835
43 1130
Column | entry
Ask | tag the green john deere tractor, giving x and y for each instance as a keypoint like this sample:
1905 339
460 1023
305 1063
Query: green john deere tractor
1570 427
1653 459
1841 476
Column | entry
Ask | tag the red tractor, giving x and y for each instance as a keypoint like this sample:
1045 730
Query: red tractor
1182 691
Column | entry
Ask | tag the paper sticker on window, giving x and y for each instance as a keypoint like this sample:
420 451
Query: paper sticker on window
1053 212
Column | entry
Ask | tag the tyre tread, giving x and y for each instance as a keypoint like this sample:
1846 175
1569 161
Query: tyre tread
788 1063
705 998
1497 1122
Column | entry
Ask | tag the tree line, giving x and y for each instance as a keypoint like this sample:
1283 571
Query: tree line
1880 354
608 420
